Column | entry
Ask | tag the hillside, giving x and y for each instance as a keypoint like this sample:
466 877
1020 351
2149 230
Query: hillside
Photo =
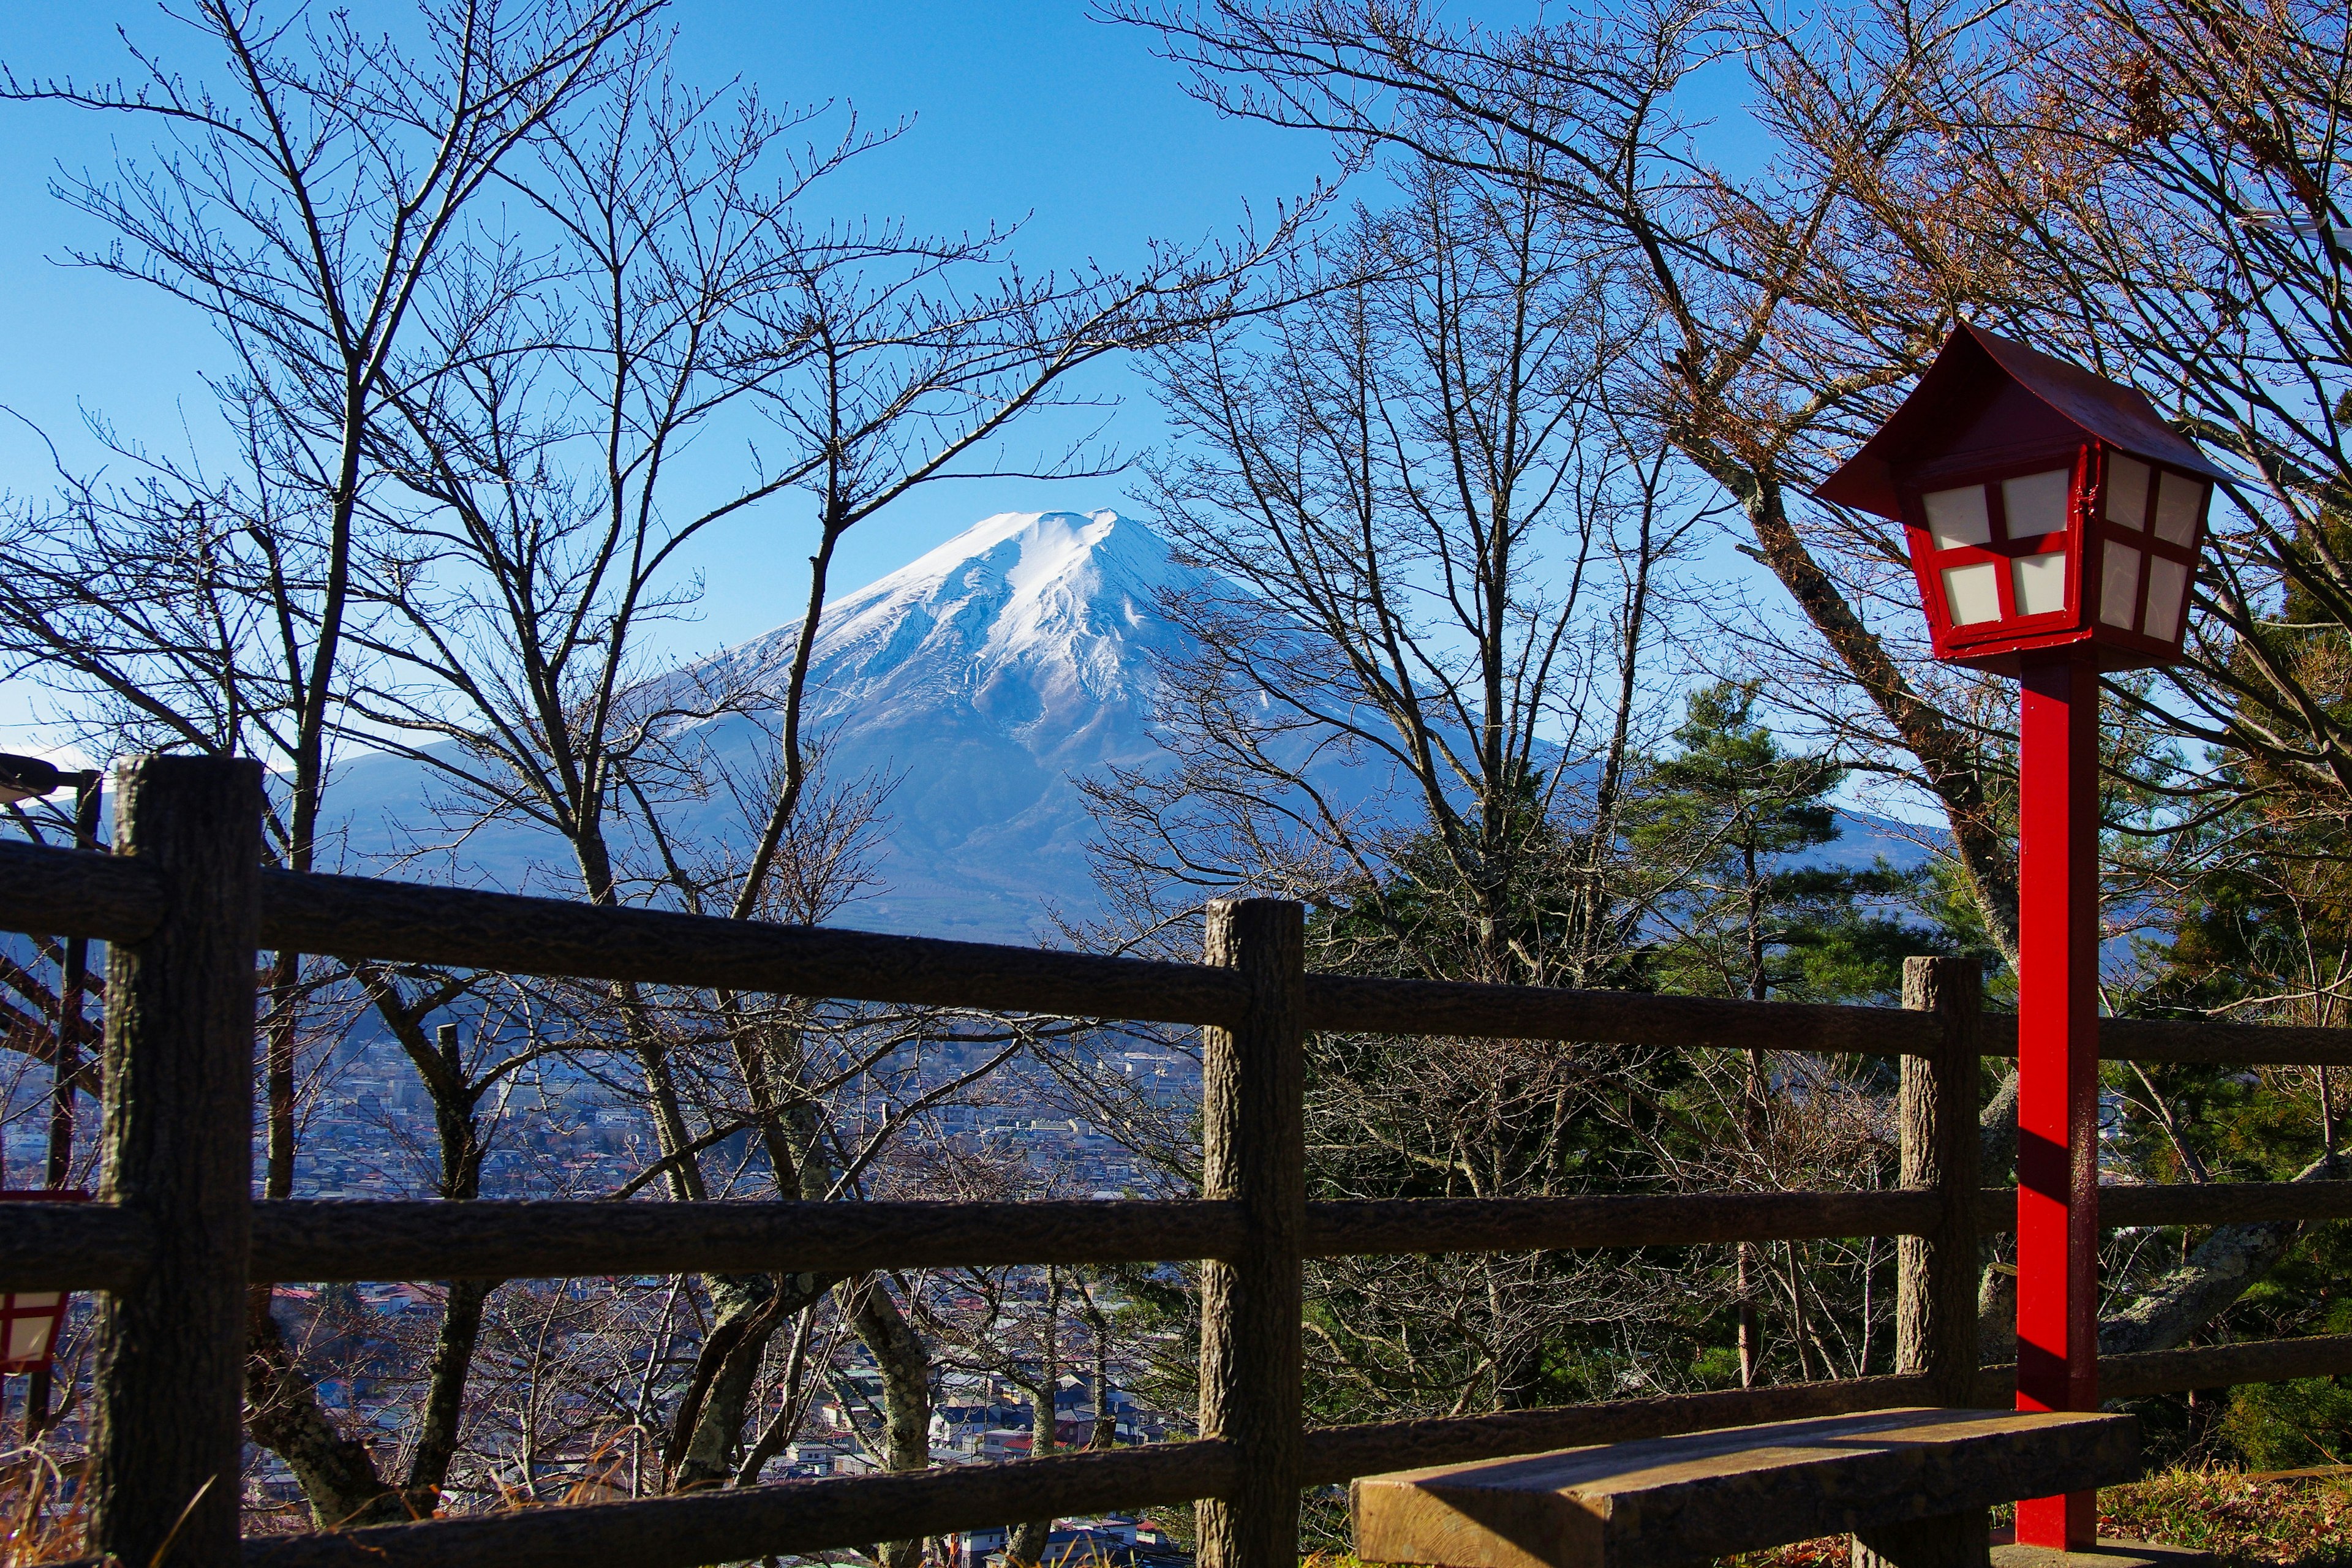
985 678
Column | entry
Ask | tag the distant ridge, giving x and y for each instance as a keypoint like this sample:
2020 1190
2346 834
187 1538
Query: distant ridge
987 676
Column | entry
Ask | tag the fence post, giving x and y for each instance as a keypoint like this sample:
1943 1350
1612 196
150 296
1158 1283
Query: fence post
167 1440
1254 1152
1936 1275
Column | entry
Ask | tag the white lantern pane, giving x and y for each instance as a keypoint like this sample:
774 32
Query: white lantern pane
2036 503
27 1338
2127 491
1973 593
1959 517
2119 585
2038 582
2178 501
32 1300
2168 597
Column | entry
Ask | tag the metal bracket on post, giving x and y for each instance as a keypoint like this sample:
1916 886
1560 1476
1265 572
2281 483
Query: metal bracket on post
1254 1152
168 1437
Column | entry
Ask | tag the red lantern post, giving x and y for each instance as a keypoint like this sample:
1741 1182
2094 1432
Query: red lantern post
2053 522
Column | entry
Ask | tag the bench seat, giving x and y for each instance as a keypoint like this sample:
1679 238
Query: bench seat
1741 1488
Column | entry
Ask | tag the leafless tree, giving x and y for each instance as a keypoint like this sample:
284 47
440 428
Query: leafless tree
2151 193
305 195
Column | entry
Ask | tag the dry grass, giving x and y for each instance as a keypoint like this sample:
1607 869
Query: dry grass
38 1523
2245 1521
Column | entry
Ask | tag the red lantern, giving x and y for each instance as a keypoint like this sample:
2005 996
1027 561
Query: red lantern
29 1319
2047 507
2054 522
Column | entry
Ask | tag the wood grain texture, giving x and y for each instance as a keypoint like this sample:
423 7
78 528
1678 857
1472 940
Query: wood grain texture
1342 1453
358 917
1714 1493
1547 1225
1254 1152
307 1240
178 1139
65 892
46 891
1936 1272
2196 1040
73 1246
96 1247
2222 1203
1537 1013
781 1519
1530 1013
2217 1203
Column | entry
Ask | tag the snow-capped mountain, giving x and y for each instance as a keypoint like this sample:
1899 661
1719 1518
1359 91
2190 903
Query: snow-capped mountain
984 678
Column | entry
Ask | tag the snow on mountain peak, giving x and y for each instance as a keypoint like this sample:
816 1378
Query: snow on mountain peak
985 677
1022 615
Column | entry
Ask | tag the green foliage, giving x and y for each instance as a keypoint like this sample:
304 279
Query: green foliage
2289 1425
1726 819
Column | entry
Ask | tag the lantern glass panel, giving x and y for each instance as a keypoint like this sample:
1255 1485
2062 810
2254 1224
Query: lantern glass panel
1959 517
2178 500
1973 593
2039 583
2036 503
2127 491
2119 585
2167 590
28 1337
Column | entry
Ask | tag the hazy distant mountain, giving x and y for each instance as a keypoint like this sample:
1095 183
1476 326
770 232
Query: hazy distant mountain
986 676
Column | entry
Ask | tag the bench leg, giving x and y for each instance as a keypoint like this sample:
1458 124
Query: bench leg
1948 1540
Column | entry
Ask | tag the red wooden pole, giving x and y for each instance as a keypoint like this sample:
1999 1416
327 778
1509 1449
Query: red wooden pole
2058 1069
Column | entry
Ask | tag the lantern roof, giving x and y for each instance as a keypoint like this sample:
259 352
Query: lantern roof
1972 367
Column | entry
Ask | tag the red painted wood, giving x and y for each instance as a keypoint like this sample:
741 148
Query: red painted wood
2057 1037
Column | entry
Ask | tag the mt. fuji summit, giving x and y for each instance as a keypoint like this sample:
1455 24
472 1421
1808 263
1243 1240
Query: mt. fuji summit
985 677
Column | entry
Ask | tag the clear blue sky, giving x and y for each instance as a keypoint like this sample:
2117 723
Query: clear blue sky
1024 110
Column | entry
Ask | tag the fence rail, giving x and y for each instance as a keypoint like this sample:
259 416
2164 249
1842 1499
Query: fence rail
185 913
114 898
77 1247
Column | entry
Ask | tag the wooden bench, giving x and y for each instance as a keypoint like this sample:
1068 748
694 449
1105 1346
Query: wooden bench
1911 1485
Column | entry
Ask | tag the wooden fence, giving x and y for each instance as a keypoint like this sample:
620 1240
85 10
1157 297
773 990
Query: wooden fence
177 1236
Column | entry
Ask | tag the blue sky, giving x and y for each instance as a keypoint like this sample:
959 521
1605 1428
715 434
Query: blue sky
1025 111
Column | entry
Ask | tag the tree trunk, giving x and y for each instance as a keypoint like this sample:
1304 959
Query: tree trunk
439 1420
2225 1265
1028 1541
906 1367
1947 755
337 1475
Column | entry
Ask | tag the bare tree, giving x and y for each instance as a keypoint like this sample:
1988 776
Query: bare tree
303 199
1436 554
1436 549
2152 192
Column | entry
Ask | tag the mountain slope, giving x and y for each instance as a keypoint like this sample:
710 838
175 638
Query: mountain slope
984 678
